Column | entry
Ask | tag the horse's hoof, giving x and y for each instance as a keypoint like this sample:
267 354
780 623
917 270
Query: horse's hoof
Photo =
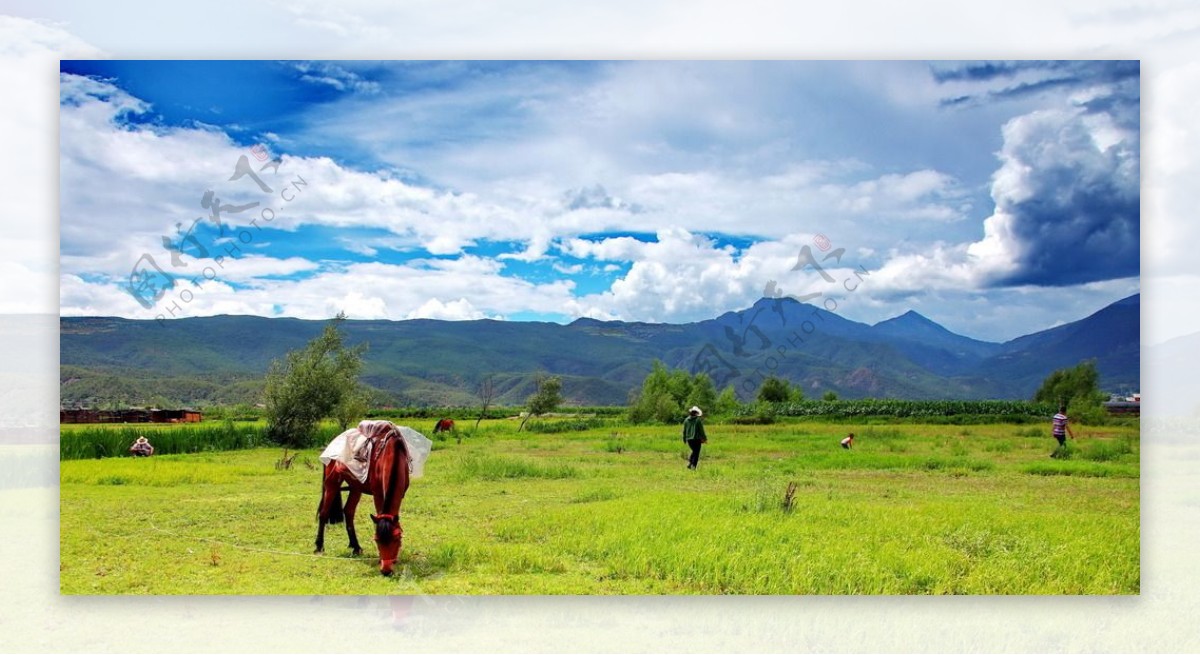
319 551
356 552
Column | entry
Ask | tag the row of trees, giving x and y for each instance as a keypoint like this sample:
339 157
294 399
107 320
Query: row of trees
321 380
666 395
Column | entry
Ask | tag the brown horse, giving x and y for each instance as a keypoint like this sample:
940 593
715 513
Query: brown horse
387 481
444 425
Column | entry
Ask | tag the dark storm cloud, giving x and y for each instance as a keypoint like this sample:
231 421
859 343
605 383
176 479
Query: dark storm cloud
1035 77
1068 199
1067 193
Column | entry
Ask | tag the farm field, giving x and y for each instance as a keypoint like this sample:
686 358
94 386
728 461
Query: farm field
913 509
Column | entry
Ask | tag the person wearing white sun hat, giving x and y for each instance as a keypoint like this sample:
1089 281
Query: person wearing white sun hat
141 447
693 435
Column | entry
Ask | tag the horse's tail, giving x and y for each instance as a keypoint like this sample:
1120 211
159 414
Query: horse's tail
334 513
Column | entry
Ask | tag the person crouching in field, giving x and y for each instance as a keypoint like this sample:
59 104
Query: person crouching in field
848 442
141 448
1060 427
693 435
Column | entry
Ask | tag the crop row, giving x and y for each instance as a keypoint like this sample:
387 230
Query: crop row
907 408
97 442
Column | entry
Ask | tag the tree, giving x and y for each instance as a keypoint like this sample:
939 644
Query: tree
830 396
702 393
667 393
546 399
1079 384
775 390
351 409
727 402
309 384
487 391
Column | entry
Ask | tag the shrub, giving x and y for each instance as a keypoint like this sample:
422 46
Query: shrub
774 390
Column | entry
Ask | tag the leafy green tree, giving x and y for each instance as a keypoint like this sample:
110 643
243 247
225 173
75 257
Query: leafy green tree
774 390
666 394
702 393
655 398
830 396
727 402
546 399
1079 384
309 384
351 409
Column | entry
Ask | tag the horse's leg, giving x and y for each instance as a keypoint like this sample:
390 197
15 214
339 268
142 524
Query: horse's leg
320 543
351 505
329 491
322 516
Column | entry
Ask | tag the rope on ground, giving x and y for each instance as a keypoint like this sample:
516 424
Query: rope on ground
355 559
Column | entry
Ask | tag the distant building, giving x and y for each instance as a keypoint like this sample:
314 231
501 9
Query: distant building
1124 405
86 415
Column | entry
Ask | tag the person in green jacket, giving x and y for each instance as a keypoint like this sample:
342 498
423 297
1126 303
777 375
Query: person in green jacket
693 435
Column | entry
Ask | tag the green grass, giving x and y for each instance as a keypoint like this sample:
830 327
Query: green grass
912 509
94 441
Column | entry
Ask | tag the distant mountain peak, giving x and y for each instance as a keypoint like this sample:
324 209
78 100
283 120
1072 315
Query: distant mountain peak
914 315
766 301
911 318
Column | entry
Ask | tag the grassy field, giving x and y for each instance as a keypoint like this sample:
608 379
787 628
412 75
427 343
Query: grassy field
913 509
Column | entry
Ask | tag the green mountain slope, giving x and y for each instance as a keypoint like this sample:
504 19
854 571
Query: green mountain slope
223 359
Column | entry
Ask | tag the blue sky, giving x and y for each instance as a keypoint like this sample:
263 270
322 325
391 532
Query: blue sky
997 198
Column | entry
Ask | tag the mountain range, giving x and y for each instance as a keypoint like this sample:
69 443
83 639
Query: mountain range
222 359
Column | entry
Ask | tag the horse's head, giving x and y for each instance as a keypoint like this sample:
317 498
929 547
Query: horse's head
388 536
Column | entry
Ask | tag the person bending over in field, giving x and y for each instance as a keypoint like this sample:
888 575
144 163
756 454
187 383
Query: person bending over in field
848 442
693 435
1060 427
141 448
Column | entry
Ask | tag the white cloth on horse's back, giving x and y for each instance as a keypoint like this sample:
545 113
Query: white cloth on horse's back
419 446
352 450
353 447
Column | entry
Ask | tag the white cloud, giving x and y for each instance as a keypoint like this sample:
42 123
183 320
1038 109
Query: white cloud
456 310
538 177
333 75
686 277
461 287
642 146
29 54
357 305
921 195
572 269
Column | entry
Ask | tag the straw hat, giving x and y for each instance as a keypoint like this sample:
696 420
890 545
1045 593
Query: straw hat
695 410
